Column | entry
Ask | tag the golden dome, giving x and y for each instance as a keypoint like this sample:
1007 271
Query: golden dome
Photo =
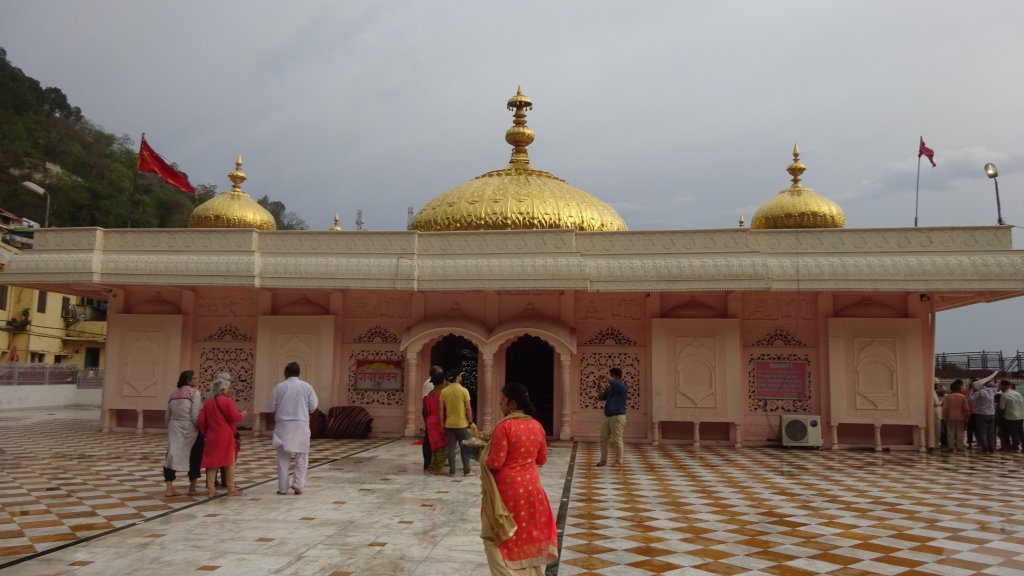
335 227
798 206
517 197
232 209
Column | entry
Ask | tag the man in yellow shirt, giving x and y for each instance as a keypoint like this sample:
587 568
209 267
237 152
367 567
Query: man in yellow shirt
456 414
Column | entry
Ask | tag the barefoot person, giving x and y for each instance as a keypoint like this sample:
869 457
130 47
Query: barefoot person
614 396
517 525
291 402
218 422
182 434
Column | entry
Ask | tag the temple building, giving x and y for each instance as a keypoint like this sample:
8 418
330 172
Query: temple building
516 275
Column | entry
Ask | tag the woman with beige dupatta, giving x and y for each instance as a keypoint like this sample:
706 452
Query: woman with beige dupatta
517 525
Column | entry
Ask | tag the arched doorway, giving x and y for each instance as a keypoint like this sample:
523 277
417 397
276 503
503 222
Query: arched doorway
453 352
531 362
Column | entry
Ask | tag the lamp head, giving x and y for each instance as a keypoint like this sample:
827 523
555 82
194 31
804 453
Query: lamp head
991 171
34 187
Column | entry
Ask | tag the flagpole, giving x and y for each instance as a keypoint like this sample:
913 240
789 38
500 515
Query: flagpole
135 179
917 188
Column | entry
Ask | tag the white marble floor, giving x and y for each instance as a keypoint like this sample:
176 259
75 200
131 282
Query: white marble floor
373 513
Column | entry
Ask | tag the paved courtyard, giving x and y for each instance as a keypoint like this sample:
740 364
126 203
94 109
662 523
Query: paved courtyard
77 501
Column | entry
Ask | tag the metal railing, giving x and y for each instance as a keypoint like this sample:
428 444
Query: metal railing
981 361
19 374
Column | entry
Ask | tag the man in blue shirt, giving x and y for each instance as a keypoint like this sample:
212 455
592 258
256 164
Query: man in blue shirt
614 396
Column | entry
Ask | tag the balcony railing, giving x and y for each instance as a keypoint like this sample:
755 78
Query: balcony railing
18 374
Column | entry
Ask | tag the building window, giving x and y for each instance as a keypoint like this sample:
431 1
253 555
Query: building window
3 297
38 357
41 304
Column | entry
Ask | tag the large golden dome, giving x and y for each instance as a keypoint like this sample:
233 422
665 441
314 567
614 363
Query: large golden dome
517 197
798 206
232 209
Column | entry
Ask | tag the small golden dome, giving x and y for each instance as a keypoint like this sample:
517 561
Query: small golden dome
798 206
232 209
517 197
335 227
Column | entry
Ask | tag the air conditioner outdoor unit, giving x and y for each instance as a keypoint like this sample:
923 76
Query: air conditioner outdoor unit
801 430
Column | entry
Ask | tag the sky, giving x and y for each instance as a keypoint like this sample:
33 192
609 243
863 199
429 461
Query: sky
681 115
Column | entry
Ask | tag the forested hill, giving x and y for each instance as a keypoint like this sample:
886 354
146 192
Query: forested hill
87 172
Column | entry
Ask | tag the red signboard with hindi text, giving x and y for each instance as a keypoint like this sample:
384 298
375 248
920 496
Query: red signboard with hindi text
781 379
378 374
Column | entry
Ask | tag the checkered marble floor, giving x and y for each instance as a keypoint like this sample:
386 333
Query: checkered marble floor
62 480
680 510
668 510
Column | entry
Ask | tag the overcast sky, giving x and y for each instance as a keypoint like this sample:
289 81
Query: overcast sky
681 115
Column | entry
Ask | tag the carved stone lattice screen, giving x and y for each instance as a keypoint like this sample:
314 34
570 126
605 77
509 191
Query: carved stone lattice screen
593 368
374 397
235 360
778 405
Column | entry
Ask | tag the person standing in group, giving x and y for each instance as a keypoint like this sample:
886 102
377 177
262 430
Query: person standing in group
984 400
435 436
291 401
517 525
428 387
218 422
456 413
184 452
1012 404
955 413
614 396
940 427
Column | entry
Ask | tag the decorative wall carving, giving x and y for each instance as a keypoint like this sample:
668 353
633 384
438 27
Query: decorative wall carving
778 338
373 397
238 361
610 335
876 380
228 333
778 405
377 335
142 365
593 369
695 373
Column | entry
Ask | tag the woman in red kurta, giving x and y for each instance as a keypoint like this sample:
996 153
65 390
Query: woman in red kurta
217 421
435 431
518 527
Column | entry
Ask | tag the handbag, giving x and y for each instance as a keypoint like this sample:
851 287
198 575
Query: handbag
238 437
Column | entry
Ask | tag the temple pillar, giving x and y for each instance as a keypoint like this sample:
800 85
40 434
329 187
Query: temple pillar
485 393
835 436
655 432
139 421
411 394
922 442
737 428
696 434
566 432
878 437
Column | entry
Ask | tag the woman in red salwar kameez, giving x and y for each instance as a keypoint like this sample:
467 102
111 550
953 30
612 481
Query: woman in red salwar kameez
217 421
518 527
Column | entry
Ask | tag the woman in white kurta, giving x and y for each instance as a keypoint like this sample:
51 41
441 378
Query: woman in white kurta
182 414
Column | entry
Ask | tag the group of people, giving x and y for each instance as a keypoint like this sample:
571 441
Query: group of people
518 527
204 434
984 413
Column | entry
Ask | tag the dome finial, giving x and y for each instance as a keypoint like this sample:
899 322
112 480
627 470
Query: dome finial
519 136
796 168
237 176
336 227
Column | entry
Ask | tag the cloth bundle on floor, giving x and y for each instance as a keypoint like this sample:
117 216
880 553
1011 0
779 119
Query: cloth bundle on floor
348 422
317 424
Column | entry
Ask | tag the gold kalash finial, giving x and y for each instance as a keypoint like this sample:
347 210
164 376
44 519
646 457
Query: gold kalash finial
237 177
336 227
796 168
519 136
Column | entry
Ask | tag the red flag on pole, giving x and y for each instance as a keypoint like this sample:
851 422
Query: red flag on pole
926 152
150 161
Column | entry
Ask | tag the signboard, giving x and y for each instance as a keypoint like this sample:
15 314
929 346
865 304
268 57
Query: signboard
378 374
780 379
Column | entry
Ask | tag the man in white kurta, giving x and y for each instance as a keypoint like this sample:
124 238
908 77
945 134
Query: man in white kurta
291 402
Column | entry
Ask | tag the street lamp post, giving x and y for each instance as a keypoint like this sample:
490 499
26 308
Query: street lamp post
992 172
42 192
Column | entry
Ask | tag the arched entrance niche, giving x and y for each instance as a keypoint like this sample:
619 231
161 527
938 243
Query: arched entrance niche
418 344
530 361
457 353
